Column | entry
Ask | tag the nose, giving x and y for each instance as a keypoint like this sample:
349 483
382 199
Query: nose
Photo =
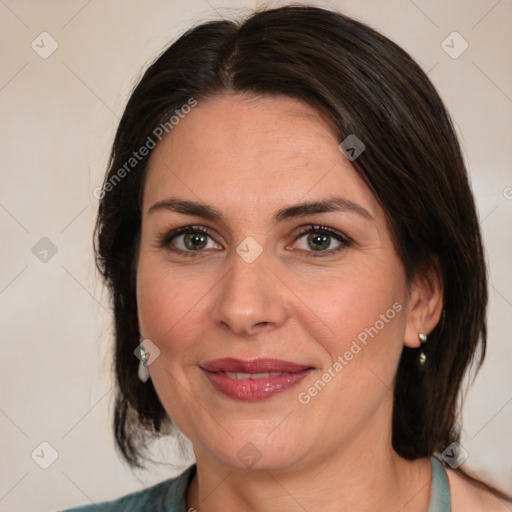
251 298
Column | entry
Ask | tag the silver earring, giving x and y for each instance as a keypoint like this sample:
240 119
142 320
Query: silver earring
143 371
423 357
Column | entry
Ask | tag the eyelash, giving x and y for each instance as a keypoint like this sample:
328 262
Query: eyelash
165 240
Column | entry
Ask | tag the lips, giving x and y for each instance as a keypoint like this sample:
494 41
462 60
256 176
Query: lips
253 380
230 364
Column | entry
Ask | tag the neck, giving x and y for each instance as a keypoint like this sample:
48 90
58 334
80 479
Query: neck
364 478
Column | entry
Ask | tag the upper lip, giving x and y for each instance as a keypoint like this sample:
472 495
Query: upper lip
263 365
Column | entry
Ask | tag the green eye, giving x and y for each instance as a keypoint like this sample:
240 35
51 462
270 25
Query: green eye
319 239
188 239
195 241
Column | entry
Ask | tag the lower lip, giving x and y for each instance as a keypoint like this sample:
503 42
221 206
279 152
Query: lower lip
252 390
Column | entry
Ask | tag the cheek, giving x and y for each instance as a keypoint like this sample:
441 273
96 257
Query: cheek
156 302
358 318
350 304
170 304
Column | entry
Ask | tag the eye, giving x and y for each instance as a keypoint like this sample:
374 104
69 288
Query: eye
192 240
320 239
188 239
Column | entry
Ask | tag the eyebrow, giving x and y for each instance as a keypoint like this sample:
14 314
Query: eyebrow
199 209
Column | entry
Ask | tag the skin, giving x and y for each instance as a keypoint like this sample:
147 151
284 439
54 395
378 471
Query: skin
249 157
467 497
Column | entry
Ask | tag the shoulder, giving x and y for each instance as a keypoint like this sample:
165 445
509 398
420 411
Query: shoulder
468 497
168 495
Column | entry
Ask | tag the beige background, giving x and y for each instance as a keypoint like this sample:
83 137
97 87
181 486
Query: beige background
58 117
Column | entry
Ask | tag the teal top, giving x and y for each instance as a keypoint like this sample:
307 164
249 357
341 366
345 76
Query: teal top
171 495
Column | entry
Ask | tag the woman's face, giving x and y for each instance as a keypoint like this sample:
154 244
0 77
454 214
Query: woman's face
320 287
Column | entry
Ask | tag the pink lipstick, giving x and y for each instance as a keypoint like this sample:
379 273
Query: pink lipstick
253 380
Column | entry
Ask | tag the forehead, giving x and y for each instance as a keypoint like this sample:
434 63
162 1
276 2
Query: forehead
240 152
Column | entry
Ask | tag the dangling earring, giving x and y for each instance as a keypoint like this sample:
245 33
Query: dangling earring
143 371
147 353
423 357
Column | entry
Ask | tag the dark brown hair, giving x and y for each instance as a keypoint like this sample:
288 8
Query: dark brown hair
363 84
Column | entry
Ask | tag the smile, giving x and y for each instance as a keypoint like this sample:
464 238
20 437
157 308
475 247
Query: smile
254 380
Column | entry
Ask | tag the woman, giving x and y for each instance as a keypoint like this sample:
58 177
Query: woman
299 274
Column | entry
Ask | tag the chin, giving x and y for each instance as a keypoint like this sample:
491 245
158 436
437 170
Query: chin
257 451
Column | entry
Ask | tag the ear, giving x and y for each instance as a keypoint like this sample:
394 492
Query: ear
424 305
